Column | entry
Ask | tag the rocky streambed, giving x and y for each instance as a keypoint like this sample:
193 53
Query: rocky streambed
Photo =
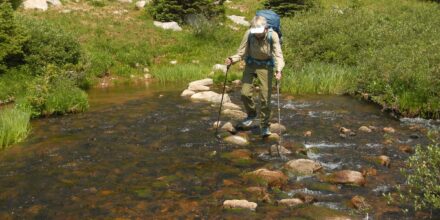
143 152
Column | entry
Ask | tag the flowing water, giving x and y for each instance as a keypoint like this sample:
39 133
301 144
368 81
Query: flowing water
145 152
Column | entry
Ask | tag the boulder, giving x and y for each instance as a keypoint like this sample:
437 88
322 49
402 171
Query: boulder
236 82
273 137
210 96
220 68
125 1
141 4
172 25
239 204
187 93
35 4
291 202
307 133
202 82
235 114
231 106
365 129
273 150
302 166
198 88
276 128
272 178
55 3
240 20
346 177
237 140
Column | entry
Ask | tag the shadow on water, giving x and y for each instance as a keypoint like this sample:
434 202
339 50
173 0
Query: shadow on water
146 152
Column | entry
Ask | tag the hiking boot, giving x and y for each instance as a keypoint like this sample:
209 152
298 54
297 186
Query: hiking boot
247 121
265 132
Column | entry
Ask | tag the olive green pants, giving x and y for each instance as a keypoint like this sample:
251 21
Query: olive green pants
264 75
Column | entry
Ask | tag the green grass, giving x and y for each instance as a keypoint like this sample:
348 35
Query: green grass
63 100
319 78
14 126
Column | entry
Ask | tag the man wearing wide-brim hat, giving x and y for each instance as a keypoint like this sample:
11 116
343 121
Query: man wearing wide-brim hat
261 50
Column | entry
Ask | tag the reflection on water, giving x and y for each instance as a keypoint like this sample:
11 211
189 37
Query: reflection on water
146 152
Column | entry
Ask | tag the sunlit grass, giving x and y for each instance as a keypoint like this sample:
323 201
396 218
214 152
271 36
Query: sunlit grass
14 126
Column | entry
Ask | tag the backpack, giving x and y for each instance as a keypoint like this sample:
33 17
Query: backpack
274 24
273 21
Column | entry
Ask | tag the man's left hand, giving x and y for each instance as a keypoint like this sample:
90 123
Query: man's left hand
278 75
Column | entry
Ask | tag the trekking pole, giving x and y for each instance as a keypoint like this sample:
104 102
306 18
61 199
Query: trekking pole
221 102
279 117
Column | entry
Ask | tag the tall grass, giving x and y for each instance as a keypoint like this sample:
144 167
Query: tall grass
14 126
181 72
319 78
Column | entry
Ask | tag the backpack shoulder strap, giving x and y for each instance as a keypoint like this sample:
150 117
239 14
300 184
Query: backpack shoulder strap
270 39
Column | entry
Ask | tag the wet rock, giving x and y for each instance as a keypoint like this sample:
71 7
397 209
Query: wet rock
389 130
271 178
239 204
273 137
274 149
406 149
148 76
344 132
237 140
359 202
291 202
239 20
260 193
305 198
220 68
229 127
384 160
307 133
240 154
231 106
235 114
236 82
369 171
302 166
210 96
187 93
35 4
202 82
168 25
346 177
277 128
365 129
198 88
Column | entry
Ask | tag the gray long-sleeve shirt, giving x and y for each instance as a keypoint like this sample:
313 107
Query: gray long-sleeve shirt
260 49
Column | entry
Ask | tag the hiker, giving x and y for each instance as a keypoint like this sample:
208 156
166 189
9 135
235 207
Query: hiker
261 50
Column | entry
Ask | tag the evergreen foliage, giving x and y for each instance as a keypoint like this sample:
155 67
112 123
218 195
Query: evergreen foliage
289 7
15 3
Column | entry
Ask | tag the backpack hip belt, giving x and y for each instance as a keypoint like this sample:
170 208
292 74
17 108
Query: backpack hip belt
268 63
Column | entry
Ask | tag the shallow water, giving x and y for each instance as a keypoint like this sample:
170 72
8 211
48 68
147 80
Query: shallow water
143 151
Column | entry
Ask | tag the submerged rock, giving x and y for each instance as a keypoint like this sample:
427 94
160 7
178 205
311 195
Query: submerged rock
172 25
291 202
384 160
276 128
389 130
273 150
302 166
271 178
406 149
359 202
273 137
202 82
307 133
344 132
237 140
346 177
240 204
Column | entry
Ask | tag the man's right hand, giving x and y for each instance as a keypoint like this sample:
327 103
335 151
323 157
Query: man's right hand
228 61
